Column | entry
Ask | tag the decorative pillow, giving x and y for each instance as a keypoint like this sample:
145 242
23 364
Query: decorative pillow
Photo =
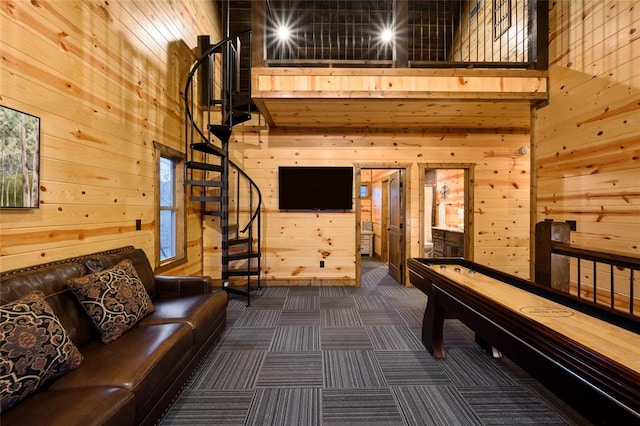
34 348
115 299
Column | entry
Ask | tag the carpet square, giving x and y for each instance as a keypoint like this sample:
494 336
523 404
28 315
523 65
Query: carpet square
508 405
291 369
299 318
268 302
411 368
246 339
352 369
341 302
223 407
292 339
344 338
229 370
302 303
393 337
333 291
340 318
472 366
413 317
285 407
380 317
304 291
434 405
275 291
370 302
367 407
258 318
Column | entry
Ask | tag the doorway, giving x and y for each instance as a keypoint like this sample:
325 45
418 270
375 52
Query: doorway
381 217
446 210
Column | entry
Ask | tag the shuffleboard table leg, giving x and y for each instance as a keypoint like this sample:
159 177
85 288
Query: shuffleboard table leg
432 326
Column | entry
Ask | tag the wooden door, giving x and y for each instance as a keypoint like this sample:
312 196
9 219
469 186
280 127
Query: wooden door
396 240
384 237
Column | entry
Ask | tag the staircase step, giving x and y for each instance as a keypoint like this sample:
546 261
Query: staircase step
235 242
211 213
237 117
204 166
208 148
213 199
243 102
239 256
254 271
207 183
221 131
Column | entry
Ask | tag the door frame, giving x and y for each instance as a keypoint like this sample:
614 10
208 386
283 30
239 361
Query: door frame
405 205
468 202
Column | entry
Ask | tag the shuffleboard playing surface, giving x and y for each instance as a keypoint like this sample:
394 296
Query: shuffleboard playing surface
616 343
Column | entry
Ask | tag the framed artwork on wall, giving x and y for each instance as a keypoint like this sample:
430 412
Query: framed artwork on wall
19 159
501 17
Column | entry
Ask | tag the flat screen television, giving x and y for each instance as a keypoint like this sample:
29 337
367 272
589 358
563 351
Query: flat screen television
315 188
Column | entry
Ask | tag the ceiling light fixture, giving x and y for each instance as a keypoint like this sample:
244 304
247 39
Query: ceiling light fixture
283 32
387 35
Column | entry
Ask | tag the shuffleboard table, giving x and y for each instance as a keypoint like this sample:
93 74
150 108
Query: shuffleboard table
587 354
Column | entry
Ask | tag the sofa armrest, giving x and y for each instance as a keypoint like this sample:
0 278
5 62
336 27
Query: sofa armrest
171 287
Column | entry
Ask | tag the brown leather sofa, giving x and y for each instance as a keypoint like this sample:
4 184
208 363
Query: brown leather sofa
134 379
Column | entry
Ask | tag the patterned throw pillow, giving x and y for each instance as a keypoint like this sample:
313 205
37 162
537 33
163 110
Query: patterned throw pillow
34 348
115 299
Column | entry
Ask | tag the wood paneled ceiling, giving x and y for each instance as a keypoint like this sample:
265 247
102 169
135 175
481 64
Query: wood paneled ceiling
398 99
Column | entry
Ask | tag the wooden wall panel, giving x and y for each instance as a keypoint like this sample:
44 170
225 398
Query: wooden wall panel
105 79
295 242
587 151
475 40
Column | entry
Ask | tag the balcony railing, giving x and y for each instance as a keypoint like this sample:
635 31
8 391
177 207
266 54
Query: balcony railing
419 33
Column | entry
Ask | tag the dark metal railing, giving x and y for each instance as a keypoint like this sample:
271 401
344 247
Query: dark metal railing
604 278
424 33
609 279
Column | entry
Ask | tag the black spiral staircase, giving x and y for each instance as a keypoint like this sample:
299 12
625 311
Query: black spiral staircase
217 97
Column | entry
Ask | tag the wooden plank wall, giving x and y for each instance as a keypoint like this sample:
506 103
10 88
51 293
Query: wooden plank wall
105 79
295 242
454 179
475 41
587 139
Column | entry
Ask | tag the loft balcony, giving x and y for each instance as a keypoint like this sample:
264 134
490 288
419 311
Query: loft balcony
382 65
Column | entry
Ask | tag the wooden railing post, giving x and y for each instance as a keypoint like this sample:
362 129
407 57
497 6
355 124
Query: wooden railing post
401 29
552 270
539 31
257 30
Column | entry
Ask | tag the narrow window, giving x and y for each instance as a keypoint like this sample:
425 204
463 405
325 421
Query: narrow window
170 237
168 209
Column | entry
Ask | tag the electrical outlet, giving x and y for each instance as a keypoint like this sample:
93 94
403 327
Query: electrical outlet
322 263
572 224
138 224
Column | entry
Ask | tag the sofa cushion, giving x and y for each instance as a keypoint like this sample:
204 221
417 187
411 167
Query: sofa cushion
51 279
87 407
99 261
202 313
114 299
145 360
34 348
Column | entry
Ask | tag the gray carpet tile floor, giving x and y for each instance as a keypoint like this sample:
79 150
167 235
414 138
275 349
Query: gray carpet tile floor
353 356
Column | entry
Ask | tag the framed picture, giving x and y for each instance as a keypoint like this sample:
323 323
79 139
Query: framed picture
19 159
501 17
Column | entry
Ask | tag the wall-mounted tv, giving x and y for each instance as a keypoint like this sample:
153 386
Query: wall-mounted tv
315 188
